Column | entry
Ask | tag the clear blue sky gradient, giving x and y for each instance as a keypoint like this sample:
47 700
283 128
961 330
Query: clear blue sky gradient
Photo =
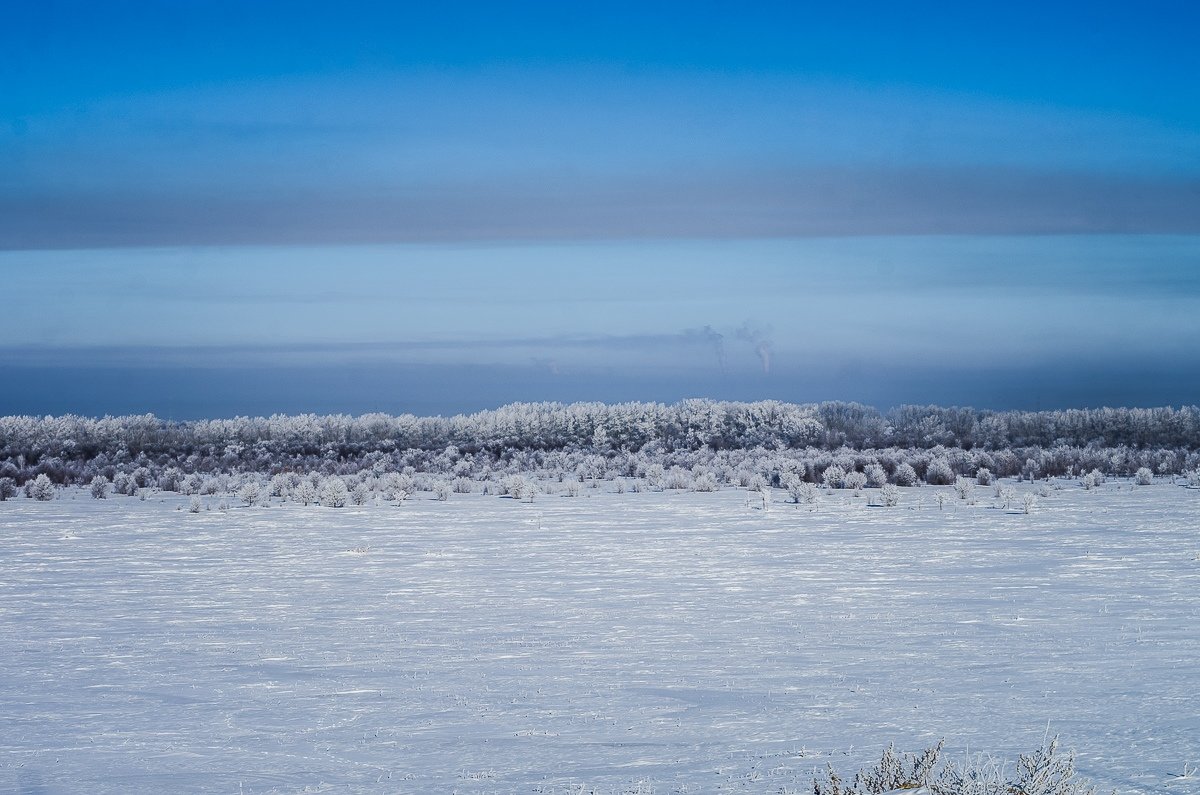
995 204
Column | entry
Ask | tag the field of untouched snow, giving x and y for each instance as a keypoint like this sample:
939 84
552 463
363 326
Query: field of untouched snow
643 642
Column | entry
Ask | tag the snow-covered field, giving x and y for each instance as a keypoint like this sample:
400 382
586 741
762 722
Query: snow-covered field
664 642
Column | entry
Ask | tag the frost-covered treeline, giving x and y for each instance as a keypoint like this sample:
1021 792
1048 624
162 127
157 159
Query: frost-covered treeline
693 443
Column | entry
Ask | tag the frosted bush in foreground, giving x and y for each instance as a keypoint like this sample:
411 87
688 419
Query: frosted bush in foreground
8 489
705 481
833 477
99 487
1193 479
905 475
939 473
333 493
876 475
1144 476
40 488
1046 771
890 495
855 480
249 493
964 488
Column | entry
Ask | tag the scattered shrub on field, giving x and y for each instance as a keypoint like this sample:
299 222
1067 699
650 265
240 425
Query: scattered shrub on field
1007 496
442 491
360 494
305 492
890 495
654 476
984 477
333 493
876 475
249 493
905 475
123 483
1193 479
941 497
1144 476
1046 771
965 489
833 477
619 486
677 479
572 488
40 488
706 482
1089 481
99 487
194 505
758 483
463 485
1029 502
939 473
855 480
8 489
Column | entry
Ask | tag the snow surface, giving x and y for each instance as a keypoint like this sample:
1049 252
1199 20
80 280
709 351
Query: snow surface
664 642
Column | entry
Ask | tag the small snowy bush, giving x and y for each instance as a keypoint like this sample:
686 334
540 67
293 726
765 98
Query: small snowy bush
876 475
194 505
1029 502
705 481
984 477
305 492
572 489
1089 481
1144 476
40 488
939 473
8 489
250 492
964 488
333 493
890 495
1193 479
442 491
905 475
360 494
855 480
1046 771
833 477
677 479
123 483
463 485
99 487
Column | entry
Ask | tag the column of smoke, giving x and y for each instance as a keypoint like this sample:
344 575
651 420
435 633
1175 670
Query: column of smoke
758 338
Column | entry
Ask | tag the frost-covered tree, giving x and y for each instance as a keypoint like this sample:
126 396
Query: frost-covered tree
905 475
705 481
8 489
984 477
99 487
939 473
890 495
304 492
833 477
876 475
855 480
250 492
1144 476
40 488
964 488
333 493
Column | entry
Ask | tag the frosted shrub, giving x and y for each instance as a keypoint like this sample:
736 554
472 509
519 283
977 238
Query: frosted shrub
939 473
984 477
515 485
1193 479
40 488
8 489
123 483
964 488
905 475
1044 772
280 486
1029 502
99 487
677 479
1089 481
191 484
855 480
876 475
890 495
250 492
572 488
194 505
705 481
442 490
360 494
940 497
305 492
758 483
619 486
1144 477
833 477
397 486
654 476
1007 496
463 485
333 493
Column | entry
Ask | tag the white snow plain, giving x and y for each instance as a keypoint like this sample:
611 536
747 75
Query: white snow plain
639 642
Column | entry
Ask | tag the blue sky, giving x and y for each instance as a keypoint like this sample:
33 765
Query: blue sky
219 208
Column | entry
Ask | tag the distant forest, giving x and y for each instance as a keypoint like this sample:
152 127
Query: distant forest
729 440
